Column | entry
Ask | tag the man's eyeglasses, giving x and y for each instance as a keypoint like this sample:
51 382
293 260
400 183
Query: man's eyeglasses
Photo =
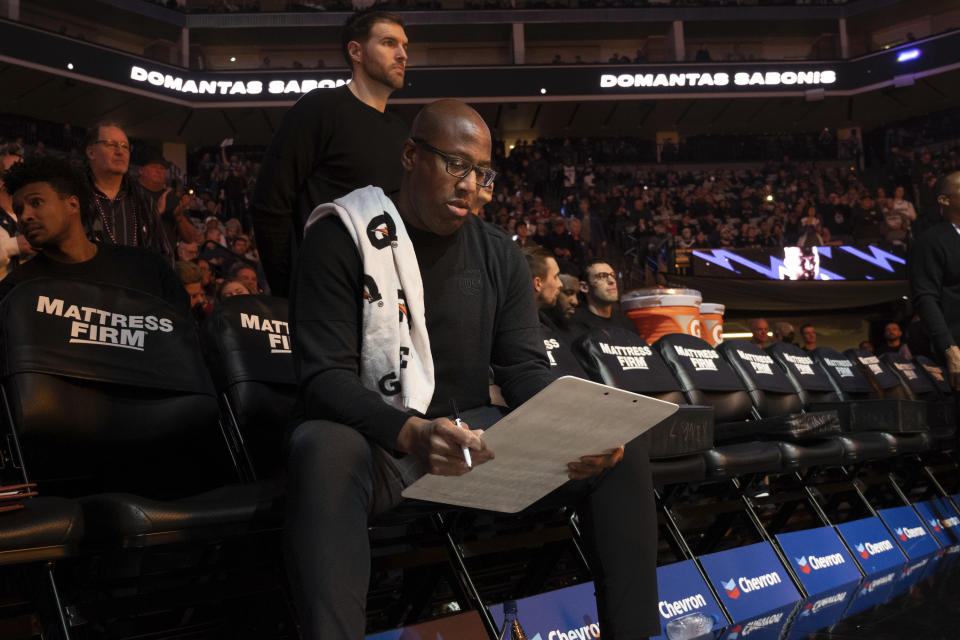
113 145
607 275
460 168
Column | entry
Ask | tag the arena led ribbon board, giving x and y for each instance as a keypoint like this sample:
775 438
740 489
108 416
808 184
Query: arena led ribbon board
49 52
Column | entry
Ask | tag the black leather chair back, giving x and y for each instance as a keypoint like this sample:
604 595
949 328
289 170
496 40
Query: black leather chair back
101 377
705 377
247 342
770 389
936 374
911 375
805 372
623 359
560 354
879 374
844 374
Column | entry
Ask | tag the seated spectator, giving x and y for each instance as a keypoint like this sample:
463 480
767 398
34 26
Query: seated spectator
207 280
893 342
868 223
866 345
783 332
187 251
231 288
192 280
52 202
13 245
809 334
703 54
246 274
760 330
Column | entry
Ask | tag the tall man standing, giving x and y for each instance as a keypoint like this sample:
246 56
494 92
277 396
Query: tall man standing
125 214
331 142
934 267
356 449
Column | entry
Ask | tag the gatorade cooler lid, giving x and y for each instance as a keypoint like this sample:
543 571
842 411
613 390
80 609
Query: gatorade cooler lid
712 307
650 298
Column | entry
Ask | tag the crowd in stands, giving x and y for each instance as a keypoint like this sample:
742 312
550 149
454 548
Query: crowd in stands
593 197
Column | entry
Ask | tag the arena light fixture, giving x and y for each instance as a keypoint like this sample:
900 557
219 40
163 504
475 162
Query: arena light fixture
233 58
70 66
769 197
909 54
543 91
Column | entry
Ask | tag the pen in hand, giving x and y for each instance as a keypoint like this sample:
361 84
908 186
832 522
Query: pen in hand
459 423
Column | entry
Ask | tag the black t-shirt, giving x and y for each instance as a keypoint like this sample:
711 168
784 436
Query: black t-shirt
328 144
480 314
583 320
934 274
130 267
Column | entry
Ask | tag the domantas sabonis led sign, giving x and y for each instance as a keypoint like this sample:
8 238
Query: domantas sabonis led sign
53 53
809 78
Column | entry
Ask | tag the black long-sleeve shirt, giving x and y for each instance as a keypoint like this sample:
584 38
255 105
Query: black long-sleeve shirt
480 313
328 144
131 267
934 268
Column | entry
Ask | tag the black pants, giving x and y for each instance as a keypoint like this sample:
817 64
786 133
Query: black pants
339 480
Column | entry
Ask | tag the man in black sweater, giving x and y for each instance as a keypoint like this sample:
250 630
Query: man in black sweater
52 203
353 454
331 142
934 267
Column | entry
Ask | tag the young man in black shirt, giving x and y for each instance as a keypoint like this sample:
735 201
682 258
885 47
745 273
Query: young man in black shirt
52 203
354 453
599 282
934 267
331 142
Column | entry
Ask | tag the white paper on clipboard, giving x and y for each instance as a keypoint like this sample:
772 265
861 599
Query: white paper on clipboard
568 419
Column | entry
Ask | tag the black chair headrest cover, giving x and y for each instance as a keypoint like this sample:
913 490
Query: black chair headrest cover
622 359
936 373
701 362
100 332
919 383
808 372
758 365
248 339
884 377
844 371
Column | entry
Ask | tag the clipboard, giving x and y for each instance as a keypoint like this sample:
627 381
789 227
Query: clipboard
569 418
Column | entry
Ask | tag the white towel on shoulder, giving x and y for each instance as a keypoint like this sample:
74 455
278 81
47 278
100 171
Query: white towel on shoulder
395 358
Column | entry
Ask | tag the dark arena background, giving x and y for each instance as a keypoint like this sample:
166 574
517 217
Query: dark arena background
759 177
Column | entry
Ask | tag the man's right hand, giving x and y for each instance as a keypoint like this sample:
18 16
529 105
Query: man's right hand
953 366
438 444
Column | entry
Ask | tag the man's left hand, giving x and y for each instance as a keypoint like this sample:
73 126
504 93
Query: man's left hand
589 466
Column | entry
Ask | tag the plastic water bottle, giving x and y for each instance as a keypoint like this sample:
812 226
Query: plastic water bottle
695 625
511 629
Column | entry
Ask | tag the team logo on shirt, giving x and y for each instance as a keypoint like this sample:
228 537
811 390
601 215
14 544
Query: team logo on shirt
382 231
371 292
470 282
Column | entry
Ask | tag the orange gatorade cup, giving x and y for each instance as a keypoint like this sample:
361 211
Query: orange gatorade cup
657 312
711 322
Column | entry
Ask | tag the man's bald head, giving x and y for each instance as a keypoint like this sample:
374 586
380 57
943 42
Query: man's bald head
948 196
445 134
447 117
